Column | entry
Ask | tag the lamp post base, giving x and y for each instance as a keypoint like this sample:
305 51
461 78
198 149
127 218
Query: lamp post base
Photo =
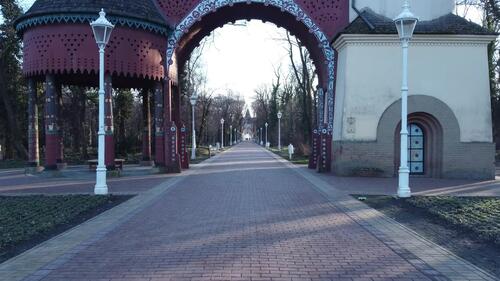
404 183
193 153
404 193
101 190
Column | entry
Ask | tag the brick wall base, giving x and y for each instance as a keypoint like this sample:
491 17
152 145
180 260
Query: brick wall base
459 160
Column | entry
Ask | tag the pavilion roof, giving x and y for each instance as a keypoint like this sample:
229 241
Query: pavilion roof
447 24
56 11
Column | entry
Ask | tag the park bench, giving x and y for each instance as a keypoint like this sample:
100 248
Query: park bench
118 164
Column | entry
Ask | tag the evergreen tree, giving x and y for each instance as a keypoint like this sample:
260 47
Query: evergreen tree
12 99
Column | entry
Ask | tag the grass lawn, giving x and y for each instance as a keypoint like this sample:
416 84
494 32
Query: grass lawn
296 159
478 215
467 226
26 221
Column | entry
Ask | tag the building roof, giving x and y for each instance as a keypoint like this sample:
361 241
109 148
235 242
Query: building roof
42 11
447 24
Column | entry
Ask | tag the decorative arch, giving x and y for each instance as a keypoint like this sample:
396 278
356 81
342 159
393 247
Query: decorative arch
206 7
436 118
419 103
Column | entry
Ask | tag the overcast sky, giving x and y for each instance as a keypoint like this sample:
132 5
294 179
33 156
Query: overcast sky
243 57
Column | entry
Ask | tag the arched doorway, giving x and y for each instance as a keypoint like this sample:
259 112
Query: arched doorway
206 16
425 145
416 149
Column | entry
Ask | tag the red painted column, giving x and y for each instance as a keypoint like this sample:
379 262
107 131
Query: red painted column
172 161
315 147
176 96
167 101
109 157
33 134
183 150
146 133
172 158
159 125
52 139
325 164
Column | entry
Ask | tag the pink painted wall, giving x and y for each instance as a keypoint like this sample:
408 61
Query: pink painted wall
331 16
66 48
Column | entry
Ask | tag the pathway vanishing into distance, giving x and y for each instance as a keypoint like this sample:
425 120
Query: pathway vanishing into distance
243 215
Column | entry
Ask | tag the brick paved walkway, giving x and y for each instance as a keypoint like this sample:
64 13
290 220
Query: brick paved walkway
242 216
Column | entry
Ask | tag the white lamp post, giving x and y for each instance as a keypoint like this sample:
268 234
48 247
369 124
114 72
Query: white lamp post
266 133
405 24
279 130
222 132
102 32
193 100
230 135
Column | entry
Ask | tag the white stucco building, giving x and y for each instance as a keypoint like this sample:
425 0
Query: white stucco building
449 103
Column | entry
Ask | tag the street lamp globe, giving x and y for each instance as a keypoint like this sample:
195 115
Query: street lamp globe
280 115
193 99
102 29
222 121
406 23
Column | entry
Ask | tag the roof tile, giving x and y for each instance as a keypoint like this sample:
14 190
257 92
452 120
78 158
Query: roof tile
143 10
447 24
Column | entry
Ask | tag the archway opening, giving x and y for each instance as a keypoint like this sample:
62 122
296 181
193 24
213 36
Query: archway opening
198 25
425 145
246 73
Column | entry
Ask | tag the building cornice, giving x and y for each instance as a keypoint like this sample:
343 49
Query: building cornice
419 39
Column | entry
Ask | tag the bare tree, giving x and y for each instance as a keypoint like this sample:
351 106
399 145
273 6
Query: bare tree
304 75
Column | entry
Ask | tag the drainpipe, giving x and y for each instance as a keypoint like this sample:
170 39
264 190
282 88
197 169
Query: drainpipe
361 15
